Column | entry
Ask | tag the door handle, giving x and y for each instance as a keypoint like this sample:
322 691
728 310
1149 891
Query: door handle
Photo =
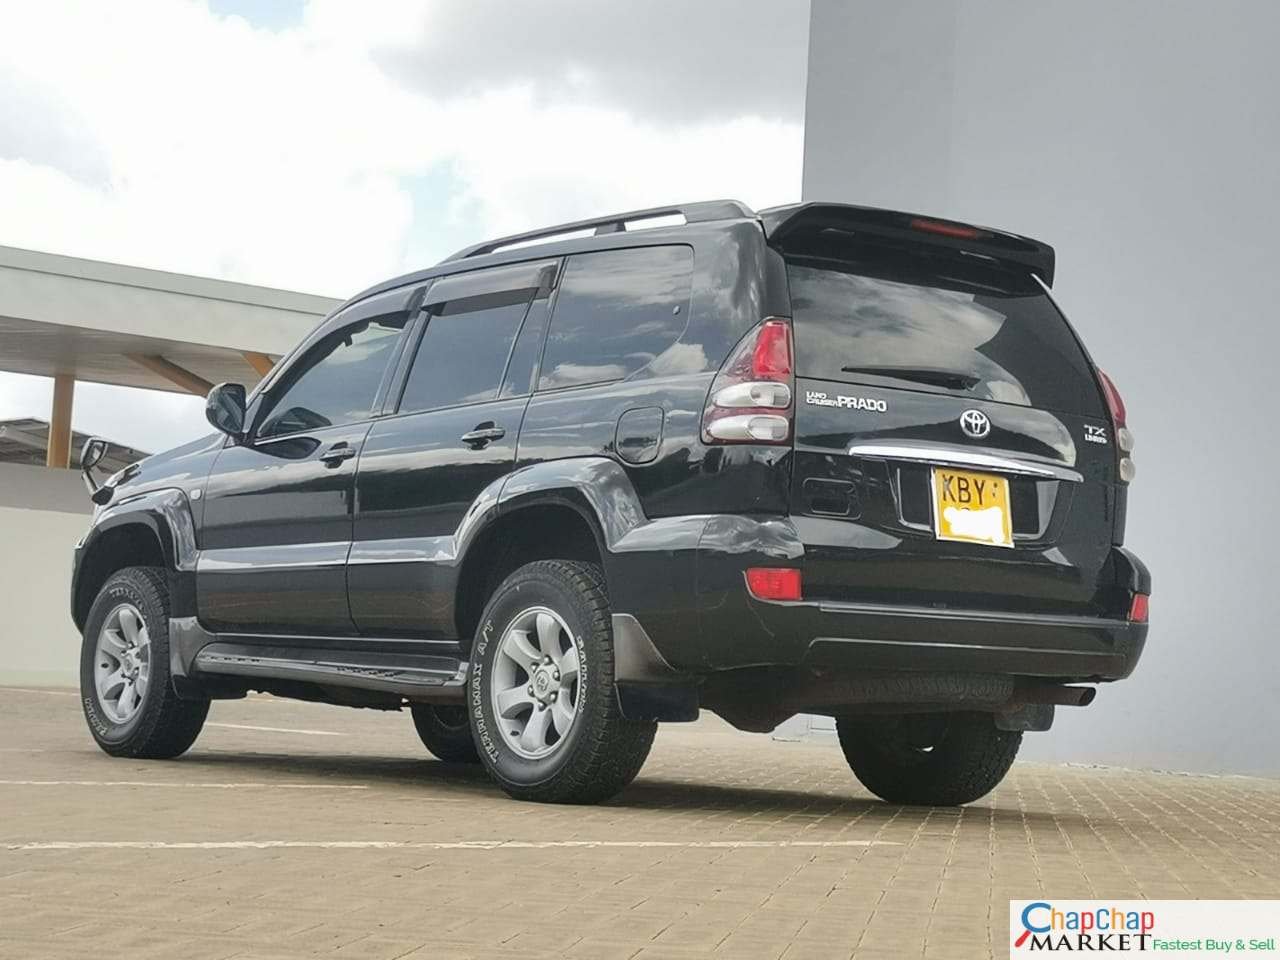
483 435
337 453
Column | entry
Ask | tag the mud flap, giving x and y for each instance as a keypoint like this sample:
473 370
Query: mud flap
1030 717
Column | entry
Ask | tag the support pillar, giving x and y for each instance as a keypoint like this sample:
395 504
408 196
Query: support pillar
260 362
58 449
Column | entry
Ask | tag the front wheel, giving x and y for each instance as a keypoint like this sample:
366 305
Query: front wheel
930 759
540 692
129 703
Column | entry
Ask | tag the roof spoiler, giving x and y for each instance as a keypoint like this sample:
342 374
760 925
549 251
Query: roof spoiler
791 226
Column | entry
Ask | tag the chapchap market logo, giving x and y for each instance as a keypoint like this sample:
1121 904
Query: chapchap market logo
1109 928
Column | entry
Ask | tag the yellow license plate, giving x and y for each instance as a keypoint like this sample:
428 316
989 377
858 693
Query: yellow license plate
971 507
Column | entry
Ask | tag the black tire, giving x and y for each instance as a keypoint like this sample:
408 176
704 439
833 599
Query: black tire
939 759
163 726
446 732
603 751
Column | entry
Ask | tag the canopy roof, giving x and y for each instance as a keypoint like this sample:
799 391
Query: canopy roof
109 323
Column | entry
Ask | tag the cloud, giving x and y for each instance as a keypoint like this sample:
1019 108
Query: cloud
306 155
665 61
37 126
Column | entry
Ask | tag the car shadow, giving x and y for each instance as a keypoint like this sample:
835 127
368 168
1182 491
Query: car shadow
346 769
455 780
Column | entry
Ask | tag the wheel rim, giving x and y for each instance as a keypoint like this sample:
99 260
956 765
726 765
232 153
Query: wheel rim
534 685
122 663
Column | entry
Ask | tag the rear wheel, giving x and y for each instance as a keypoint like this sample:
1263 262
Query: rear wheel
128 701
933 759
446 732
540 693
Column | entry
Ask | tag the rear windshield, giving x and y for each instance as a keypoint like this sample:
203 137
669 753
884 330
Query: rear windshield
1003 342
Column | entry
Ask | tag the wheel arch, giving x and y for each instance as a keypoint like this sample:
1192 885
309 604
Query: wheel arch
554 526
155 530
575 509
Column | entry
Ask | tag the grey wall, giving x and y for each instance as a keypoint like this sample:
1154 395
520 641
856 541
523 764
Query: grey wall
43 513
1141 139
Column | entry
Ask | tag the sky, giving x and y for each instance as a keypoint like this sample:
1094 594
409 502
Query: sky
322 145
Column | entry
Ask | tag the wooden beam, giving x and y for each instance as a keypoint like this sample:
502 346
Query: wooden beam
259 361
58 449
161 367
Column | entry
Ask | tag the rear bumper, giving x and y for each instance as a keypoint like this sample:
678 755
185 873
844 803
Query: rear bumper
967 641
705 621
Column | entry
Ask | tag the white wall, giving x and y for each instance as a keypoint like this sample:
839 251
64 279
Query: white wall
43 513
1142 140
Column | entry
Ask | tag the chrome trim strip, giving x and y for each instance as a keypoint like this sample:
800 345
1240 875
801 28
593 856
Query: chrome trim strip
404 550
288 556
949 454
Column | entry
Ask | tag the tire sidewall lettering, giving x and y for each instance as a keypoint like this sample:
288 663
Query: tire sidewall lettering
499 613
483 733
113 593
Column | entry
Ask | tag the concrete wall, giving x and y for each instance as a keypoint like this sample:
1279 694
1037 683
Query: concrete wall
1140 139
42 515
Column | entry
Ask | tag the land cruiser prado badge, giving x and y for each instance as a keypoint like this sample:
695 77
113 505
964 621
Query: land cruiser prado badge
819 399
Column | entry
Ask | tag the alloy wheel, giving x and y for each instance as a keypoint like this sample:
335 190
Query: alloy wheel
122 663
534 683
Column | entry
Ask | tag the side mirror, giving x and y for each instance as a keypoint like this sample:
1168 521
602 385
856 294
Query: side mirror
224 408
91 454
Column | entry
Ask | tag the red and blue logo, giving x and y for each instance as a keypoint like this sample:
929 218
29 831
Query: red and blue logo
1045 927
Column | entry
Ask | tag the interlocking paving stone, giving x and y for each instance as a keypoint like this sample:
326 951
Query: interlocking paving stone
727 845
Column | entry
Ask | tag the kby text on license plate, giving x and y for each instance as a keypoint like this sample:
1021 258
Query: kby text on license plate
971 507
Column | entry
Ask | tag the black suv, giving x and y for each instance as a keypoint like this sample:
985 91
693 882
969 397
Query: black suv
820 458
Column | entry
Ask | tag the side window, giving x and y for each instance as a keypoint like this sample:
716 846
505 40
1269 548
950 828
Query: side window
464 351
337 381
523 366
616 312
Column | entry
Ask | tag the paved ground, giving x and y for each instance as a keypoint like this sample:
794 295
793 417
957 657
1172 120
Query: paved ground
295 830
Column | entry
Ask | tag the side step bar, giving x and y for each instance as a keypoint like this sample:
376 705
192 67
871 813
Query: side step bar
434 679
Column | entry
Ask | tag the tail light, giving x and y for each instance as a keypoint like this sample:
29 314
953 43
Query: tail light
774 583
1119 421
1138 608
751 397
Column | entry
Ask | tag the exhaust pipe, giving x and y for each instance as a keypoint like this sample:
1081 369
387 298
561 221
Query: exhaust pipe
1056 694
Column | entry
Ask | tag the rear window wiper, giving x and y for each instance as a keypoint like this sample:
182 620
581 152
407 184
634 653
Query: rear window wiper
934 376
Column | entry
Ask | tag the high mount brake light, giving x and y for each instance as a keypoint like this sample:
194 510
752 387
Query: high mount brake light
1120 425
752 398
945 229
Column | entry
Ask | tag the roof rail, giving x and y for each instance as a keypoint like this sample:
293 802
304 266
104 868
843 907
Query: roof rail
615 223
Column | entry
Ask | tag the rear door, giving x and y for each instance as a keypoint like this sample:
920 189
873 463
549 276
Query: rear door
451 434
948 415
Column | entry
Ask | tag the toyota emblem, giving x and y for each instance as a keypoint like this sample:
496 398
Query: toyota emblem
975 424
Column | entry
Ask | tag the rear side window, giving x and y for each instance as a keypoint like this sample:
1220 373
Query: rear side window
617 312
463 352
928 332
